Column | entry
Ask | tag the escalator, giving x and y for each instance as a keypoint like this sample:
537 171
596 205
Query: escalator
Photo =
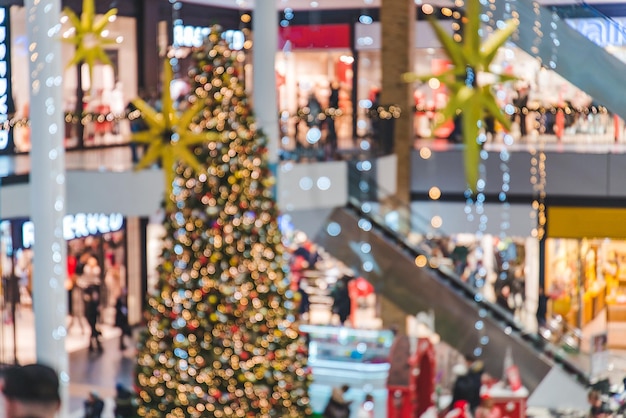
359 237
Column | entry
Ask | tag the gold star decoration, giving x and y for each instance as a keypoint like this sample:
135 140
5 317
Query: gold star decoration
468 97
169 134
88 37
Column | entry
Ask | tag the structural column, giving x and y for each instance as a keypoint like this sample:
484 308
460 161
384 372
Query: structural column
149 62
265 30
398 44
47 185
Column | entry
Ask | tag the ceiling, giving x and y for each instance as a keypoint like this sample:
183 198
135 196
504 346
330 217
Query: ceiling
293 4
357 4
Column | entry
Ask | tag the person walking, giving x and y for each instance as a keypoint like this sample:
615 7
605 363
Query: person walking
92 313
121 318
124 407
342 304
338 406
94 406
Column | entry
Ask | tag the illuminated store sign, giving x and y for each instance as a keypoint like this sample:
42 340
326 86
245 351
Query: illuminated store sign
193 36
78 226
6 101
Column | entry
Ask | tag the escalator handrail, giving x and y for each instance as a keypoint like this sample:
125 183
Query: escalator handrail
415 218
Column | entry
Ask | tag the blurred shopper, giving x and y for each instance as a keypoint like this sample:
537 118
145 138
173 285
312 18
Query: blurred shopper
94 406
468 382
476 373
121 317
29 391
338 406
92 313
462 389
342 306
542 307
598 408
367 407
305 302
124 407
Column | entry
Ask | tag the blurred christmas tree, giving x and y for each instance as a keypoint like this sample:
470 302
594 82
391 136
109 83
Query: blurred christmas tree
221 338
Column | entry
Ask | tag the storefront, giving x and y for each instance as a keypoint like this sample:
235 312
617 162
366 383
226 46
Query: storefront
96 256
547 89
314 79
103 99
585 270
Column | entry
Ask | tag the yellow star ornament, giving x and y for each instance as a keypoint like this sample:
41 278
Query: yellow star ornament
468 96
169 134
87 36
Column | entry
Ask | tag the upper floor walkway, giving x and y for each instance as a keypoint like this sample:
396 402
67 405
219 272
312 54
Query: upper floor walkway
584 167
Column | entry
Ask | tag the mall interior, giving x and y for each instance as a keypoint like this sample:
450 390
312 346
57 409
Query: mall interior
526 273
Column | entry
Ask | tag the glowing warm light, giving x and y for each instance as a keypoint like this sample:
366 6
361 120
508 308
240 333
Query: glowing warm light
245 18
421 261
434 84
446 12
346 59
428 9
436 221
434 193
425 153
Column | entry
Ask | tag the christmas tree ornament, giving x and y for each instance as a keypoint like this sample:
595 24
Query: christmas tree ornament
170 135
471 95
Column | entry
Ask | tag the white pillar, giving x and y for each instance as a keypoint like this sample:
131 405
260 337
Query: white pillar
265 30
47 185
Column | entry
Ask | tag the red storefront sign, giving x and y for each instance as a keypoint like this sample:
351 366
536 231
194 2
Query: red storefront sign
315 36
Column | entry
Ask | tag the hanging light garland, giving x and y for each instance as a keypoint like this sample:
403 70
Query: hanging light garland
538 156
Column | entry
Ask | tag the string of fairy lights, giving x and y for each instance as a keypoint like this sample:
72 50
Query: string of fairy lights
304 114
538 155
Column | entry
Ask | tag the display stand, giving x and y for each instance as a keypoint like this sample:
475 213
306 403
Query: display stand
346 356
423 377
512 404
411 384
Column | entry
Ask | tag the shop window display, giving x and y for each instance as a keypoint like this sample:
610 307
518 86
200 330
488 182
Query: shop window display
562 279
586 285
100 261
536 97
96 108
314 96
